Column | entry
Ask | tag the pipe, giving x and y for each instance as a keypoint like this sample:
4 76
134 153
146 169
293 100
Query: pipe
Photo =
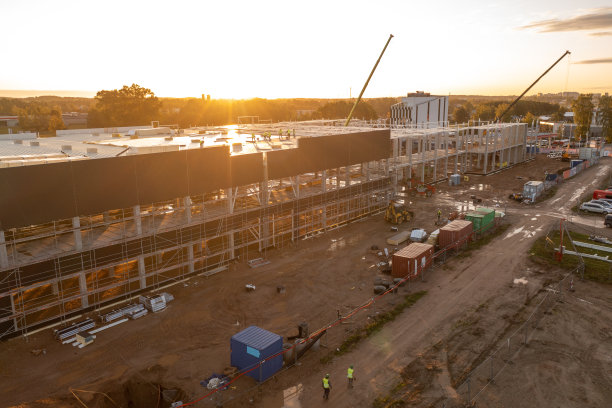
348 119
497 119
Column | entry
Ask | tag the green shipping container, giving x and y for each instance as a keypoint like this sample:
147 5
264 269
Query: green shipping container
483 219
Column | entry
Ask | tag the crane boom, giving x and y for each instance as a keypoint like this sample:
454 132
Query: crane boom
531 86
348 119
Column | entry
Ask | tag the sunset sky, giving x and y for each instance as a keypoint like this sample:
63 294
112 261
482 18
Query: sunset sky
278 49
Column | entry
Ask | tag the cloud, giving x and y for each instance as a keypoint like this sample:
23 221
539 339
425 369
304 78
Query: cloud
595 19
601 33
595 61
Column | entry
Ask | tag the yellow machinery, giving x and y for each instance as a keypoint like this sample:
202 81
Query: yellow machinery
397 213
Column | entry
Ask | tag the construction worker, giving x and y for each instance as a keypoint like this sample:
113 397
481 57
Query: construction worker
439 215
350 375
288 134
326 386
280 134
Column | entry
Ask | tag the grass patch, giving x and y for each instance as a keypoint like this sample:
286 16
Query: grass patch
543 252
379 321
477 244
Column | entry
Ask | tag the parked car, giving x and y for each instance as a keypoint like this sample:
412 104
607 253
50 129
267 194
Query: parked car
605 203
607 200
608 221
596 208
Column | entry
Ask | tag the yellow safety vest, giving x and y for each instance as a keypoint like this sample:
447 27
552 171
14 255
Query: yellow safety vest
326 383
350 373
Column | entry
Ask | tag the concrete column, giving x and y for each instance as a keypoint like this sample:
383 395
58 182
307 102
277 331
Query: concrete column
435 155
141 272
495 136
15 325
137 219
324 181
486 152
3 253
231 244
78 241
187 205
297 186
190 267
347 179
445 154
83 289
230 200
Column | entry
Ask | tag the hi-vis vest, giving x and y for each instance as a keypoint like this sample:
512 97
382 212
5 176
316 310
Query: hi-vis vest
326 383
350 373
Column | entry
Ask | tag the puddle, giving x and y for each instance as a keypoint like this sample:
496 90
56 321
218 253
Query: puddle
337 244
291 396
521 281
514 232
480 187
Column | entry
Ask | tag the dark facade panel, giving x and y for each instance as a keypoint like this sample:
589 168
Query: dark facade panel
208 169
104 184
284 163
36 194
247 169
369 146
161 176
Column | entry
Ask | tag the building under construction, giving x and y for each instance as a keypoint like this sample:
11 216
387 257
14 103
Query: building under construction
94 217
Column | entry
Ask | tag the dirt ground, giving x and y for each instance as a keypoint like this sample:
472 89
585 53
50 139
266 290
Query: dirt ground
470 303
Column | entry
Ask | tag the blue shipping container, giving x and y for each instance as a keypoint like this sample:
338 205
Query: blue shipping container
253 345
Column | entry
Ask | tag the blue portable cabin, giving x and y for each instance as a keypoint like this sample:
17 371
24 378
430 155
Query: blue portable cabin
253 345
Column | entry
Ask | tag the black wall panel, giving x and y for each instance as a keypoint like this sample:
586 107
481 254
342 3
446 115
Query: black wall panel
36 194
94 179
161 176
209 169
247 169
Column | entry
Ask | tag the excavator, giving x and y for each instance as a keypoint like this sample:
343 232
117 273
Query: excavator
397 213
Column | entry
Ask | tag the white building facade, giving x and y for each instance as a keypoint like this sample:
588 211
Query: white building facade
420 109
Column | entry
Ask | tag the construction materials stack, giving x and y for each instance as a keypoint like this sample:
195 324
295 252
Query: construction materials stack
75 328
156 303
129 310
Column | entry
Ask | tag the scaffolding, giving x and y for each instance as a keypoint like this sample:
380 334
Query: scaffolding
53 271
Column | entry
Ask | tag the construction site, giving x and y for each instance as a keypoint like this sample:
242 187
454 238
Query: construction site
97 227
272 226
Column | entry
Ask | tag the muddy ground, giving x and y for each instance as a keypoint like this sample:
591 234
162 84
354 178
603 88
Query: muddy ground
470 303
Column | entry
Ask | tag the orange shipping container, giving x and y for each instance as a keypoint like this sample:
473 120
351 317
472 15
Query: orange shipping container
413 260
455 234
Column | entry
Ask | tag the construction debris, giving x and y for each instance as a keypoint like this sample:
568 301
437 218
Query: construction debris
250 287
